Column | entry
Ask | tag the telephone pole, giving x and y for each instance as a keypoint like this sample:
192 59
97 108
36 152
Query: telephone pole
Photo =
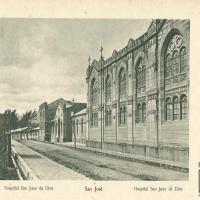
9 139
102 105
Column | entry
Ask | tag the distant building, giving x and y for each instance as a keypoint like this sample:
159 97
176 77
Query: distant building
56 121
79 126
138 98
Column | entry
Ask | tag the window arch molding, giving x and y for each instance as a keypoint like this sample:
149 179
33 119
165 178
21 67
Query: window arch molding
176 29
168 81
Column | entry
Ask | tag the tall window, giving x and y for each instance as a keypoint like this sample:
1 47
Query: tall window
94 120
183 60
143 112
176 108
108 89
123 115
108 117
141 75
175 64
81 125
93 92
184 107
122 82
168 109
73 126
168 64
77 126
139 113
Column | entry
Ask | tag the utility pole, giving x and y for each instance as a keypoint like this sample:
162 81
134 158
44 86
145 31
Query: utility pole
157 86
89 103
9 139
101 99
74 129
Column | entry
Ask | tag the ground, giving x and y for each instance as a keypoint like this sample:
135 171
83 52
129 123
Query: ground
101 167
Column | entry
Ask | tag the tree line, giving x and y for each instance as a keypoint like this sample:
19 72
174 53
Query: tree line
11 120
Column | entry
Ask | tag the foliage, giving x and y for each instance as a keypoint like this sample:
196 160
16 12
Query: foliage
27 118
11 120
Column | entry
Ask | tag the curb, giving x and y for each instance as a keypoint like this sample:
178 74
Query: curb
141 159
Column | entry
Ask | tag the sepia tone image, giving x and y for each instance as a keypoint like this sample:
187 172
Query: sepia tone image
94 99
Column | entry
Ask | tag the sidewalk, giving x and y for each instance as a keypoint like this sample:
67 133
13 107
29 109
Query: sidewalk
44 168
143 159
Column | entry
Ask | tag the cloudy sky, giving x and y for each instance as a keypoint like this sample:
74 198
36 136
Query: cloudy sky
45 59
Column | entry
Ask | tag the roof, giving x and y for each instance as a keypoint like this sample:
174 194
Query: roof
69 105
82 112
52 107
59 101
19 130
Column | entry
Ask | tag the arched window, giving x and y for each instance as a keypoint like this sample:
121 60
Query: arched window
184 107
121 115
94 120
108 89
81 125
176 108
168 110
110 118
122 82
61 126
73 126
143 77
143 112
140 75
93 92
183 60
125 114
175 58
108 121
77 126
139 113
168 68
175 64
106 118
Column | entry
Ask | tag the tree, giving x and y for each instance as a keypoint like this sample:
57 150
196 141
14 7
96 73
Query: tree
13 120
9 120
23 122
27 118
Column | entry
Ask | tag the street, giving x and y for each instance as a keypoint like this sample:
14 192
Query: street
100 167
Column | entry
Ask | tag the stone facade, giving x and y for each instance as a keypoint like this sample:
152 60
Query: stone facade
56 120
79 126
138 98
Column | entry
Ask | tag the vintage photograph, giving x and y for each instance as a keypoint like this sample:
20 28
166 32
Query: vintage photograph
94 99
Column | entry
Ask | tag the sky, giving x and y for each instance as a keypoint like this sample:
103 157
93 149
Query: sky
46 59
